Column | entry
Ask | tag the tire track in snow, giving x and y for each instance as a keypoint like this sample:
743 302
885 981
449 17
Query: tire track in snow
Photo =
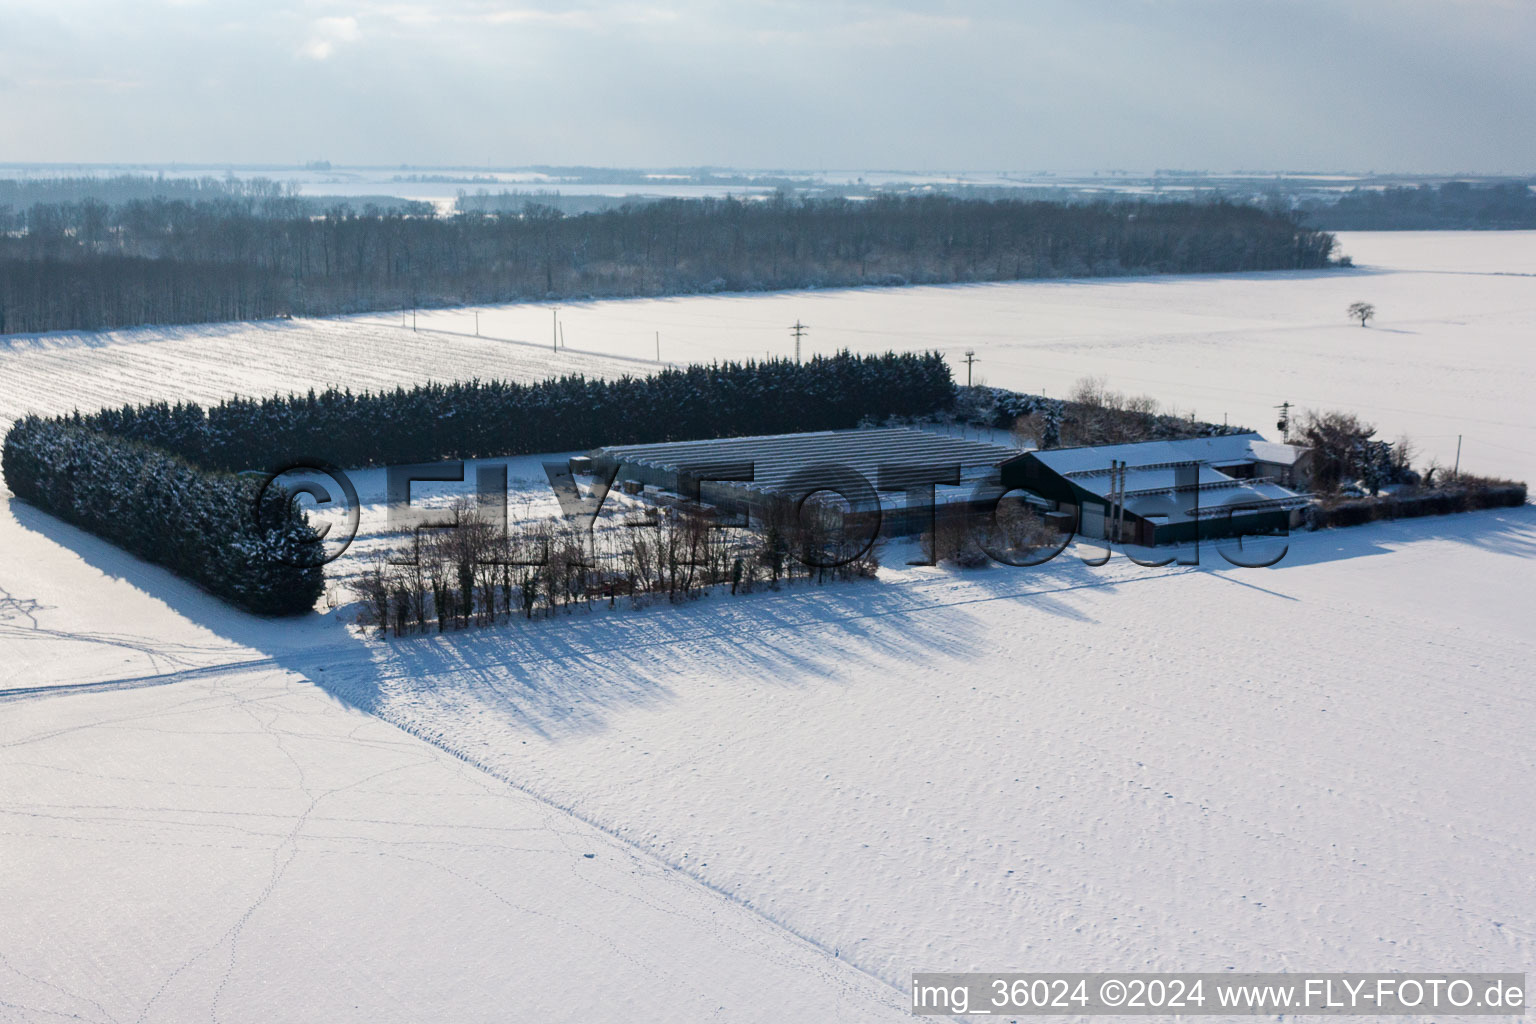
138 682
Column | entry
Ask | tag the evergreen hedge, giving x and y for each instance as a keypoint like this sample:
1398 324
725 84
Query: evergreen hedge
198 523
489 419
158 479
1467 495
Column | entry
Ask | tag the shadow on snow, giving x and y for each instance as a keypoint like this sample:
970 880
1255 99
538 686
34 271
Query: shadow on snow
570 673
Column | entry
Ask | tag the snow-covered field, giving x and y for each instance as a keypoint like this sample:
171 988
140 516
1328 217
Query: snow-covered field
1062 767
1449 354
1450 351
793 800
82 370
204 833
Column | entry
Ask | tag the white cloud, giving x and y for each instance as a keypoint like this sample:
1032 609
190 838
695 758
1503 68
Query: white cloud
326 34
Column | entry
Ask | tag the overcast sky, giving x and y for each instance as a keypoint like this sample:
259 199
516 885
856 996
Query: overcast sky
1407 85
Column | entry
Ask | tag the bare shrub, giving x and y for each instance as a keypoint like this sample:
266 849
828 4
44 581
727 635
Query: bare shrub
1404 451
952 541
373 586
474 572
1029 431
1098 415
1017 530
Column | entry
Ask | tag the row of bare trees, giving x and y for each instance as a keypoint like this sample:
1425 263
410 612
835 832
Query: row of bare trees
1094 413
473 573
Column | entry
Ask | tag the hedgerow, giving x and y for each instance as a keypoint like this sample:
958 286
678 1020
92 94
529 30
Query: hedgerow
159 479
201 524
1462 494
489 419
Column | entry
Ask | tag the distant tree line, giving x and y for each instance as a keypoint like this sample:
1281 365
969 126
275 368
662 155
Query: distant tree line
86 206
485 419
1453 205
200 524
511 202
89 265
116 190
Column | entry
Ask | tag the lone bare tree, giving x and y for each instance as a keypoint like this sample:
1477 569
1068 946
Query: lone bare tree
1361 311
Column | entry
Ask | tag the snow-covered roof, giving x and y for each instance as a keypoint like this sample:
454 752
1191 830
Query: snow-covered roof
1264 498
776 458
1236 496
1227 448
1276 453
1160 480
1152 478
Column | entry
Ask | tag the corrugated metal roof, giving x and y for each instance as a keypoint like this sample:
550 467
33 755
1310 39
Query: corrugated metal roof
1155 485
1279 454
776 457
1227 448
1237 495
1157 478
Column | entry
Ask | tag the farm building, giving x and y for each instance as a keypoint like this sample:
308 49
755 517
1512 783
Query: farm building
1171 491
900 471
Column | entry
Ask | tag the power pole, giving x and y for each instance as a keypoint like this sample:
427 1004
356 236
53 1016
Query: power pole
1123 482
1457 471
477 323
413 319
798 330
1117 496
554 328
658 346
1284 424
1120 515
1114 493
562 335
970 358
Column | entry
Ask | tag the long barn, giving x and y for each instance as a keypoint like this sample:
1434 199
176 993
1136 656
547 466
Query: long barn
901 470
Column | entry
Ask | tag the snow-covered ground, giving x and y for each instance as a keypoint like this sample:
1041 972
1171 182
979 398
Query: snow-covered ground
201 832
1449 353
63 371
792 800
1060 767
